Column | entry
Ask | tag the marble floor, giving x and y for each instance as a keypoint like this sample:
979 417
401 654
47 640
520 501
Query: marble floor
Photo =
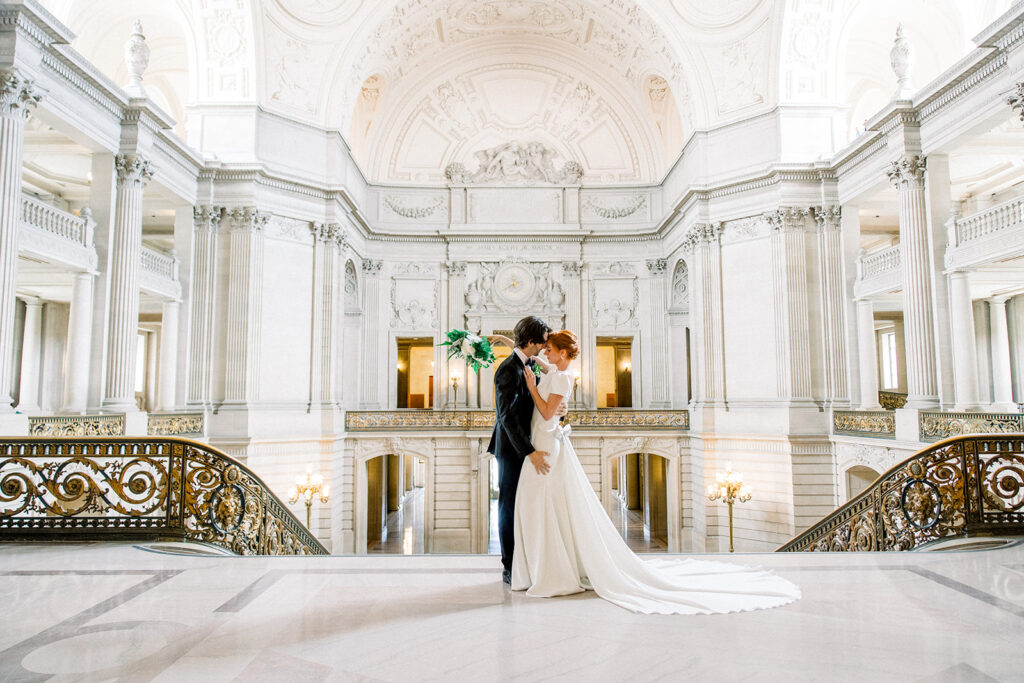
103 612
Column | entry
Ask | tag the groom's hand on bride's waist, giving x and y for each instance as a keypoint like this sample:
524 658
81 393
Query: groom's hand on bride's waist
537 458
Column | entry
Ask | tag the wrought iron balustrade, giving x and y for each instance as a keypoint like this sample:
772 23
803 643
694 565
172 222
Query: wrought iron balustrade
470 420
891 400
111 424
142 489
933 426
963 486
879 424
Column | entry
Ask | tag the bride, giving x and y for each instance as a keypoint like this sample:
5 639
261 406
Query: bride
565 542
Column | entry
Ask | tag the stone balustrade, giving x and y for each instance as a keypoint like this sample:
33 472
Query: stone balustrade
48 218
1002 217
884 261
159 273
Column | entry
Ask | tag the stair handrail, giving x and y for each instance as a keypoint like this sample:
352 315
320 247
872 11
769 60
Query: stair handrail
142 488
961 486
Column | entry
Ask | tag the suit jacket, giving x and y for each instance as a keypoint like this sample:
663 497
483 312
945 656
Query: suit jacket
511 436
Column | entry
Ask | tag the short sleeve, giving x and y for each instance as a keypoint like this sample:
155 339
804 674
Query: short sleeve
561 384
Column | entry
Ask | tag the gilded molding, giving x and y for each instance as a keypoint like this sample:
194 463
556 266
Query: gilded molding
871 423
76 425
176 424
468 420
891 400
935 426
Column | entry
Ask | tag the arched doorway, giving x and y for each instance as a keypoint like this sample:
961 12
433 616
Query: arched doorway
485 537
640 492
393 504
858 478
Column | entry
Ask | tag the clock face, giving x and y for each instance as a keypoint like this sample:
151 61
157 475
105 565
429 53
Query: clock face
514 283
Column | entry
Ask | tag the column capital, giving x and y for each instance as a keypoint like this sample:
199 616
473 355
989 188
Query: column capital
206 217
1016 100
908 170
657 267
17 94
827 217
371 267
572 268
456 268
133 168
787 218
701 233
247 218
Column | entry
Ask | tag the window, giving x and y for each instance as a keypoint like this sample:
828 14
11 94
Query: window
890 374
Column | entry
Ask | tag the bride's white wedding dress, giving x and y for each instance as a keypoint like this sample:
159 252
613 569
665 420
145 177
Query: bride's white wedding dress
565 543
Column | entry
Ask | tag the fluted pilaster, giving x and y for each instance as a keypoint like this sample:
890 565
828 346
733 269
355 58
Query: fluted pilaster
965 359
704 241
1002 384
17 95
133 172
572 276
456 320
168 380
833 304
31 355
657 370
327 238
371 391
245 304
76 358
907 175
206 229
789 287
868 354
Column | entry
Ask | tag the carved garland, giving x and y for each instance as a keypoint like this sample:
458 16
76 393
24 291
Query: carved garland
414 212
616 212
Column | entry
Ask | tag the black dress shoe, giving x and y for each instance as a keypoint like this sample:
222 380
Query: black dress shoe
506 576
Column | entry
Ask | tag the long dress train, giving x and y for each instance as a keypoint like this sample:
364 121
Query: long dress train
566 543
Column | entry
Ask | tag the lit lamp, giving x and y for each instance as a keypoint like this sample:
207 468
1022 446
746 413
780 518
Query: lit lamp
455 388
729 487
575 387
308 486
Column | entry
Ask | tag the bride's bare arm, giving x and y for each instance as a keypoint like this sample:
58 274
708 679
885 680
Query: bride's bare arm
547 409
500 338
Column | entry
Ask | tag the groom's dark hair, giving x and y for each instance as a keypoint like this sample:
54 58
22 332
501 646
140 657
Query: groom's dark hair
530 330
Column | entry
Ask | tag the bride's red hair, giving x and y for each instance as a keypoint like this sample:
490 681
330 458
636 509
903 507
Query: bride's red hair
565 340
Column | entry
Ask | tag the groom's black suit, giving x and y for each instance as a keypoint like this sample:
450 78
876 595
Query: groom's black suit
510 444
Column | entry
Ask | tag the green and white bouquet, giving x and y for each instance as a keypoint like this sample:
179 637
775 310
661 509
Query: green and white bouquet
472 348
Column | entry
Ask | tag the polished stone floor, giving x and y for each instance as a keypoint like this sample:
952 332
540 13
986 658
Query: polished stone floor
104 612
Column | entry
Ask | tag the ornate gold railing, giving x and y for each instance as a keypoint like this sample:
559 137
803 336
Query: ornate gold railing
891 400
469 420
962 486
76 425
880 424
935 426
176 424
142 489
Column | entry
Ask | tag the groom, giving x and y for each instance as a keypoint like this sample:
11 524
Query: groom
510 442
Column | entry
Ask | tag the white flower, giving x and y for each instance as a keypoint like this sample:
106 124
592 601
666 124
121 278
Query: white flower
466 348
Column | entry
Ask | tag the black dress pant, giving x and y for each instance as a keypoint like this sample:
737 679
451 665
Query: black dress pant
508 481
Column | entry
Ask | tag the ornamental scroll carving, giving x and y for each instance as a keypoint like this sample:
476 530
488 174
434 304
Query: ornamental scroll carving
616 303
517 163
17 94
1016 100
410 308
681 287
413 212
909 170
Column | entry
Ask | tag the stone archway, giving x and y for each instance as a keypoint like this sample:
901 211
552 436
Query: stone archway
360 493
673 487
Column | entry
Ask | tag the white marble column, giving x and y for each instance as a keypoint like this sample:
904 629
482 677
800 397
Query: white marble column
907 174
133 172
76 382
965 360
833 304
168 381
657 371
456 320
245 305
31 354
206 227
1002 383
325 257
868 355
371 392
703 240
789 285
17 94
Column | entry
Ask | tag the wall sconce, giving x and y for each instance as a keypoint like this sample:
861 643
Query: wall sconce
625 367
455 388
729 487
308 486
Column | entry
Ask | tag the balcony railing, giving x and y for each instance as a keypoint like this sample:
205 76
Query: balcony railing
483 420
77 425
50 219
935 426
176 424
878 424
878 263
159 273
142 489
997 219
959 487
